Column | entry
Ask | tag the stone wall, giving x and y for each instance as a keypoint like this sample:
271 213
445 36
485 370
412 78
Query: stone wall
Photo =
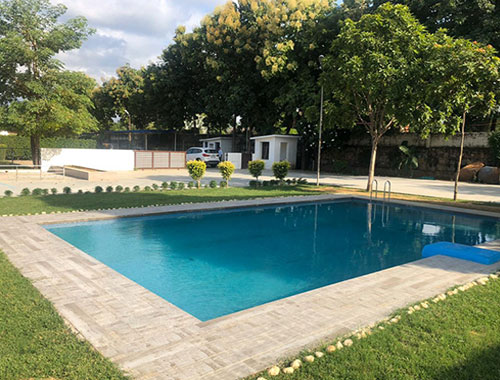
439 160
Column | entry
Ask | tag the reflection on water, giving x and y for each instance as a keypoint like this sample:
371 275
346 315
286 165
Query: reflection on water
214 263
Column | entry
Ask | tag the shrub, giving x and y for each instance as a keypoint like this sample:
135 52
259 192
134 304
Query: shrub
37 191
164 185
155 186
494 143
280 170
288 181
190 184
274 182
226 169
173 185
109 189
53 191
148 188
212 184
136 188
181 186
80 191
98 189
67 190
25 191
302 181
45 191
8 193
119 189
253 183
265 183
223 184
196 170
256 168
127 190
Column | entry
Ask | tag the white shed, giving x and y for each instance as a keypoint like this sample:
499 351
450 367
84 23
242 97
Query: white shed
275 148
224 142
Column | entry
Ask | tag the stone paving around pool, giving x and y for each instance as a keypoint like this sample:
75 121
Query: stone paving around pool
152 339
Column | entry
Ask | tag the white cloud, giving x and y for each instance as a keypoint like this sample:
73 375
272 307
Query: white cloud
128 31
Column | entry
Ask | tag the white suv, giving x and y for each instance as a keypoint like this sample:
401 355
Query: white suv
210 156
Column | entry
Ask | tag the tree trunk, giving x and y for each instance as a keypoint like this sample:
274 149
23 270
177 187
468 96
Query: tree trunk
35 149
455 191
371 170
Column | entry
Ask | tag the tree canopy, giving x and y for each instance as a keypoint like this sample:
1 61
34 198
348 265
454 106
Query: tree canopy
38 97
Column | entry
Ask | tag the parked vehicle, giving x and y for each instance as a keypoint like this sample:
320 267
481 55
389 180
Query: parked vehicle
203 154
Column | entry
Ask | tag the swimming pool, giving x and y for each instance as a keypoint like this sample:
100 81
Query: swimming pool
214 263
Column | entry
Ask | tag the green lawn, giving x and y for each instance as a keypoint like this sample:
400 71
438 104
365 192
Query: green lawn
457 339
34 341
69 202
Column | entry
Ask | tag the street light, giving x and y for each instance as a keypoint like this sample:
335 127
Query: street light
321 57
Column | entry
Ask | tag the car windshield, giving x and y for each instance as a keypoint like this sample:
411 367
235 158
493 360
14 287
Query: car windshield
210 151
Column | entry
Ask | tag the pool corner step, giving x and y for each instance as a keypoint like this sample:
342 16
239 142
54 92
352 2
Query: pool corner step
460 251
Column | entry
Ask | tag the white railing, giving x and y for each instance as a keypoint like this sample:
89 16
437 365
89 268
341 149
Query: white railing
19 169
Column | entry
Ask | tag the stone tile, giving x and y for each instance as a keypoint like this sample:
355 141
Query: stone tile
152 339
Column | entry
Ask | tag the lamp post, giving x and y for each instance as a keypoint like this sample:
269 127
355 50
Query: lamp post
129 129
321 57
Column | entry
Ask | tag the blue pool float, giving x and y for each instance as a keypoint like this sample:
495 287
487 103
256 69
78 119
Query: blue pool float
460 251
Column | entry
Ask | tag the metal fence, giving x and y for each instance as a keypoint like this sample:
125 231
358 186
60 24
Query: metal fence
18 172
157 159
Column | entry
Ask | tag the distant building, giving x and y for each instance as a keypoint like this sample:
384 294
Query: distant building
275 148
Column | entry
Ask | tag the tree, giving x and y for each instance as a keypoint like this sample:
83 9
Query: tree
373 74
196 170
466 78
60 105
30 37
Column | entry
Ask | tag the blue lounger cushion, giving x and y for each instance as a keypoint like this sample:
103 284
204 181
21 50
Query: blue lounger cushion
460 251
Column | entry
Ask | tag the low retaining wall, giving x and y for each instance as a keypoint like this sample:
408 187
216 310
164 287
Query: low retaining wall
99 159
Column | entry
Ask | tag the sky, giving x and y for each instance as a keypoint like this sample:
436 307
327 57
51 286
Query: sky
129 31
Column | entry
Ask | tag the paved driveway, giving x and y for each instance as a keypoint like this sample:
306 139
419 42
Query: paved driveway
435 188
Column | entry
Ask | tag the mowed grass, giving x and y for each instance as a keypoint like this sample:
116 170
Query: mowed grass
34 341
69 202
457 339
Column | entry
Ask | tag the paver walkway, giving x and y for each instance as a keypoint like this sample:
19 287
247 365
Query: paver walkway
152 339
434 188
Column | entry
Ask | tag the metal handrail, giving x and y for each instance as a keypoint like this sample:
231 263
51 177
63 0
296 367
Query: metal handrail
376 189
389 188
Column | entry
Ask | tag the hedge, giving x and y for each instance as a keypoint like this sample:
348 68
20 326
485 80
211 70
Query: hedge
19 148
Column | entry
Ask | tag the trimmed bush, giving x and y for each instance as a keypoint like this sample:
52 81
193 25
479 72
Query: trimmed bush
181 186
136 188
18 147
109 189
8 193
254 183
98 189
45 191
67 190
302 181
226 171
37 192
173 185
53 191
126 190
266 183
155 186
196 170
80 191
164 185
148 188
25 191
119 189
190 184
256 168
280 170
213 184
223 184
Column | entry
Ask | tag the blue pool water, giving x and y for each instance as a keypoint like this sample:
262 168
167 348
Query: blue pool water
215 263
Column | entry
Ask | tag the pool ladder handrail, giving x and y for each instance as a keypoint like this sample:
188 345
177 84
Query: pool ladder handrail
387 190
387 184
